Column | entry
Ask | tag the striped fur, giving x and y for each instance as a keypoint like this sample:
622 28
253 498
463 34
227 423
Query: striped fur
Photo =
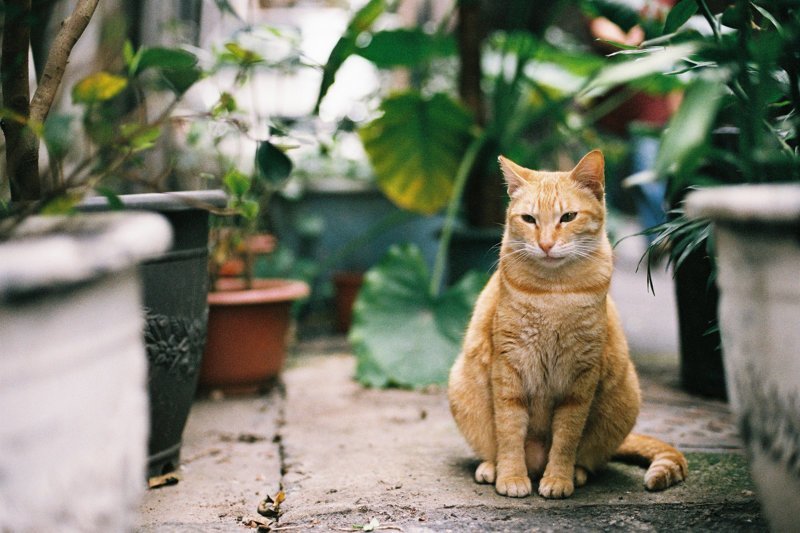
544 387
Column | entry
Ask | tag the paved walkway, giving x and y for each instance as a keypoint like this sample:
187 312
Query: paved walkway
346 456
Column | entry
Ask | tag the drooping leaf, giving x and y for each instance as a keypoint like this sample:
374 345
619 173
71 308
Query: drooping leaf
401 335
98 87
688 130
621 13
272 165
415 148
346 45
679 14
405 47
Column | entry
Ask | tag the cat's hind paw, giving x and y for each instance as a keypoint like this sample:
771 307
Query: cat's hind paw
485 473
581 475
514 486
556 487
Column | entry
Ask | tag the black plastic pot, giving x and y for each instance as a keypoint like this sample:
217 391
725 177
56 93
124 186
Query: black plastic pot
175 288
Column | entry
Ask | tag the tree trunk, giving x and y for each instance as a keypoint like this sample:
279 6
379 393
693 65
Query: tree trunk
22 145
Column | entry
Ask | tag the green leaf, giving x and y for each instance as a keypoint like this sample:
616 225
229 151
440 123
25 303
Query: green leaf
415 149
98 87
177 67
405 47
679 14
165 59
401 335
688 132
140 137
236 183
57 135
272 165
346 45
621 13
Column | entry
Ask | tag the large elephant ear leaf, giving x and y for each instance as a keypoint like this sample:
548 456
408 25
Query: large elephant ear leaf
401 335
415 149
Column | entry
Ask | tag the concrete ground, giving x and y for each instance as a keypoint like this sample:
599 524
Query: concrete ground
347 458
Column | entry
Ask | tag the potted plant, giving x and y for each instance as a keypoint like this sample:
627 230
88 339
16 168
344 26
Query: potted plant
73 390
249 318
745 79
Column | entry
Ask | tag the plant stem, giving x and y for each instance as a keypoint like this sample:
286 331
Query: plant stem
709 16
464 169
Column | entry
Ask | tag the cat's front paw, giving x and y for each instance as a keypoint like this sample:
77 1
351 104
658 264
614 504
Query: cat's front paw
514 486
485 472
556 487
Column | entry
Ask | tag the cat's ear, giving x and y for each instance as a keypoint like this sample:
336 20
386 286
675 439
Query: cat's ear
513 174
590 173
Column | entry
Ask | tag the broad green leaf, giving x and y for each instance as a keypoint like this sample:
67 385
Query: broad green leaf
272 165
688 132
678 15
405 47
346 45
401 335
57 134
98 87
415 149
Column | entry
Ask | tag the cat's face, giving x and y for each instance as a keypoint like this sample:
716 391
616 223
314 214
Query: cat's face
555 217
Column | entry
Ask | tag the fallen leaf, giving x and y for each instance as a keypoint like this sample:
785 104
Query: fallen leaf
372 526
165 480
271 506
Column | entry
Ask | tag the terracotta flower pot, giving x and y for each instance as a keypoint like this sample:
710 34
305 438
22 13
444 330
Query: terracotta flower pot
347 285
247 333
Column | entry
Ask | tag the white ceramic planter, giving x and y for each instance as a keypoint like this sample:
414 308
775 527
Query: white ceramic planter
757 238
73 401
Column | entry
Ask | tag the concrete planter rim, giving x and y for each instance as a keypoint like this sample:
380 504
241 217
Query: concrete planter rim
777 204
48 252
160 201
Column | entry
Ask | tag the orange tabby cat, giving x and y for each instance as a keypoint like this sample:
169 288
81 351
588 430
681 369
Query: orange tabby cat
544 387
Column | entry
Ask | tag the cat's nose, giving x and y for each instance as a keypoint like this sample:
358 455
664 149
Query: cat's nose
546 246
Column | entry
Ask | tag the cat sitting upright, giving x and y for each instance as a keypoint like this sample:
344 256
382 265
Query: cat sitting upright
544 387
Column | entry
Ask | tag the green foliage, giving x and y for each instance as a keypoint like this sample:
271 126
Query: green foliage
415 148
272 165
406 47
346 46
401 335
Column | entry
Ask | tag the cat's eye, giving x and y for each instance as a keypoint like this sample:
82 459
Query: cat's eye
568 216
530 219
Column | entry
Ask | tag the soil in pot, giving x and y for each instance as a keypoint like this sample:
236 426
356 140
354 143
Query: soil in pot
247 333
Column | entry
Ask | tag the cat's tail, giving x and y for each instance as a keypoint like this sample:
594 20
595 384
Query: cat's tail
665 465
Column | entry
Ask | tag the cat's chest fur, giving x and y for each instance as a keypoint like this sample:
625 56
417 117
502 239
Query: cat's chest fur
550 339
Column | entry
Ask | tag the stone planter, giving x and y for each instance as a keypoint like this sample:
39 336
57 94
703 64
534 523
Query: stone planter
247 333
175 286
758 262
73 428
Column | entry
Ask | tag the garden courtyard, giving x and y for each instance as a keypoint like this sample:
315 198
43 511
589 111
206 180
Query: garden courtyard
345 456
